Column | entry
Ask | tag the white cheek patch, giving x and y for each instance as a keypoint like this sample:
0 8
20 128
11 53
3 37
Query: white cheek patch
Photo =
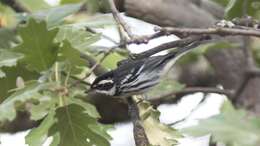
110 92
106 81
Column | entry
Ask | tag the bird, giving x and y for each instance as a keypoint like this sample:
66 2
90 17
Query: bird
136 76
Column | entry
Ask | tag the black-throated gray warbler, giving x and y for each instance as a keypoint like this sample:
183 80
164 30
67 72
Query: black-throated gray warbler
135 77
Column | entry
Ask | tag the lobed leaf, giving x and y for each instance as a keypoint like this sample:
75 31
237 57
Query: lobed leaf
75 127
38 45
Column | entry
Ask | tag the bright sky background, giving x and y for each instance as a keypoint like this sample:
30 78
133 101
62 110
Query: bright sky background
52 2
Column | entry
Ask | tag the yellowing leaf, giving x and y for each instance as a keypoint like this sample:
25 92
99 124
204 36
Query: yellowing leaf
157 133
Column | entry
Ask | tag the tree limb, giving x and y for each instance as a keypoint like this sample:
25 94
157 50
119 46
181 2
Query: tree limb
139 132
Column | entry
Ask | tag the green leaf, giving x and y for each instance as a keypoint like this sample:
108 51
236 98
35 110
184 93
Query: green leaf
166 85
12 73
56 15
69 1
202 49
111 60
7 38
157 133
71 57
8 59
37 136
7 17
89 108
222 2
235 8
232 127
29 93
77 36
40 110
39 50
34 5
73 126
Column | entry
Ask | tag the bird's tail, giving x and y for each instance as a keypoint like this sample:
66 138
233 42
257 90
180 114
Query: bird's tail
177 53
173 56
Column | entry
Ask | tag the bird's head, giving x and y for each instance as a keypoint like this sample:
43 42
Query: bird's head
104 84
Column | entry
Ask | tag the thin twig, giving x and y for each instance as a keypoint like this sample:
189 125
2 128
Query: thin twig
93 67
74 78
120 20
89 29
177 96
191 112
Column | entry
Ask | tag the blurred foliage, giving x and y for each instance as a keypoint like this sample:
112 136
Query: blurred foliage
111 60
34 5
222 2
166 85
199 51
231 127
7 18
8 59
235 8
8 38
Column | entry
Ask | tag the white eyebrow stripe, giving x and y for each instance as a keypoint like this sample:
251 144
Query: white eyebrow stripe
106 81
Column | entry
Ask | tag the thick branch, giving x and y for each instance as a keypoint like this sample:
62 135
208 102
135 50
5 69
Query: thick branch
177 96
211 31
15 5
139 132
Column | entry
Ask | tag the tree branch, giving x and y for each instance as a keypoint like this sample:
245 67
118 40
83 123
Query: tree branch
221 31
177 96
15 5
120 21
139 132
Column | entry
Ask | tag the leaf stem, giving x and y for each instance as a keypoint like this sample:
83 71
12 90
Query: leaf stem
57 72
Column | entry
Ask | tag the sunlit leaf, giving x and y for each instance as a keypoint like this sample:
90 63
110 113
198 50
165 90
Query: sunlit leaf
111 60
